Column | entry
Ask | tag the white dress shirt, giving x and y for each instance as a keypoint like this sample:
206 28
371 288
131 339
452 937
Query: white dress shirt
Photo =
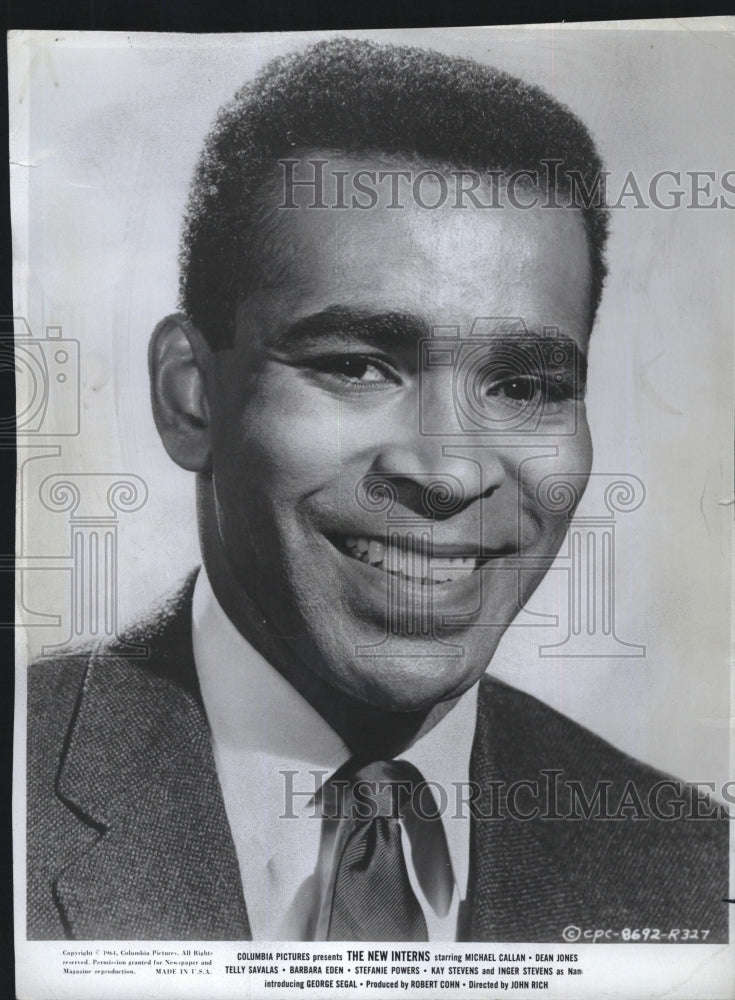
263 731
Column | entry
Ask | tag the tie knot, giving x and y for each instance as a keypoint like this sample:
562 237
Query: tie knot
391 789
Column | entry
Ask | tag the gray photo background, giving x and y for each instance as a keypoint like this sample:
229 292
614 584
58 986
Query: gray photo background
105 130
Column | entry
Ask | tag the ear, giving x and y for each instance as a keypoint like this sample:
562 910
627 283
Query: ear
176 362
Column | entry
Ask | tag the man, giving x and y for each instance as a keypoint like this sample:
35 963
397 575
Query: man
388 288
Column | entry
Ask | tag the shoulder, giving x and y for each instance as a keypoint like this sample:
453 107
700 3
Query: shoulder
97 698
54 685
526 733
639 844
152 651
158 643
519 737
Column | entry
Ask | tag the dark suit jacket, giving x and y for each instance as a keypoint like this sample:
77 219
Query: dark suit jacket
128 836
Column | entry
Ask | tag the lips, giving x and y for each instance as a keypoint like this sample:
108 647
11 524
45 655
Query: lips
411 560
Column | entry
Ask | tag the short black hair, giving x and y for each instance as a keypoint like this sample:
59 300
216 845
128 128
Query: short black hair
360 98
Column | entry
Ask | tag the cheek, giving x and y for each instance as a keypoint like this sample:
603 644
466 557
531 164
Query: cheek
291 453
572 445
553 485
273 455
577 451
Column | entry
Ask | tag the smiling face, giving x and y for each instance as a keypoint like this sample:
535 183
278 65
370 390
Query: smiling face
340 390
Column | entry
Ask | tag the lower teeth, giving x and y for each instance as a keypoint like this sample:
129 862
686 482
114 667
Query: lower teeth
439 576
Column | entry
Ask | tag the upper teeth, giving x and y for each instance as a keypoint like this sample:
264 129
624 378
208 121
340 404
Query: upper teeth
410 561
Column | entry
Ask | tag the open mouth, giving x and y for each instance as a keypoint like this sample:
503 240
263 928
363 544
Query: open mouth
411 561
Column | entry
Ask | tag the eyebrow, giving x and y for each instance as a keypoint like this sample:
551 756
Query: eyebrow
383 330
396 330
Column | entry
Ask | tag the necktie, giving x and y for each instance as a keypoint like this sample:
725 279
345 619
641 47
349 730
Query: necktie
372 898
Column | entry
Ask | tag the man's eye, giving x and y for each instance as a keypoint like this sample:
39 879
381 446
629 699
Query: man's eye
519 389
357 369
355 372
522 389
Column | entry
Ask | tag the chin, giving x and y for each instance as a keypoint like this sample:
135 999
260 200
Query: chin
410 682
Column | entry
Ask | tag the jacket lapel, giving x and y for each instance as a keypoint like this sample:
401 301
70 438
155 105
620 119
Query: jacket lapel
138 770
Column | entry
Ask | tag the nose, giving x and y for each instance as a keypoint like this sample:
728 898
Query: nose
445 466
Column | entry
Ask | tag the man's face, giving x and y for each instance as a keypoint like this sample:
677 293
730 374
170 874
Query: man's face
328 402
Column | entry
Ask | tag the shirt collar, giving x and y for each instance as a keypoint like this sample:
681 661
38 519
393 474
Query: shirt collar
443 757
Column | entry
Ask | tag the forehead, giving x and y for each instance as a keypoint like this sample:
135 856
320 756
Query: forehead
449 264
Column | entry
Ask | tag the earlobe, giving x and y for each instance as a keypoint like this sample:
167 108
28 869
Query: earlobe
176 357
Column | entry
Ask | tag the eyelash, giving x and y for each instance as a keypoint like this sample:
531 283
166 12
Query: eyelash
555 390
327 367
